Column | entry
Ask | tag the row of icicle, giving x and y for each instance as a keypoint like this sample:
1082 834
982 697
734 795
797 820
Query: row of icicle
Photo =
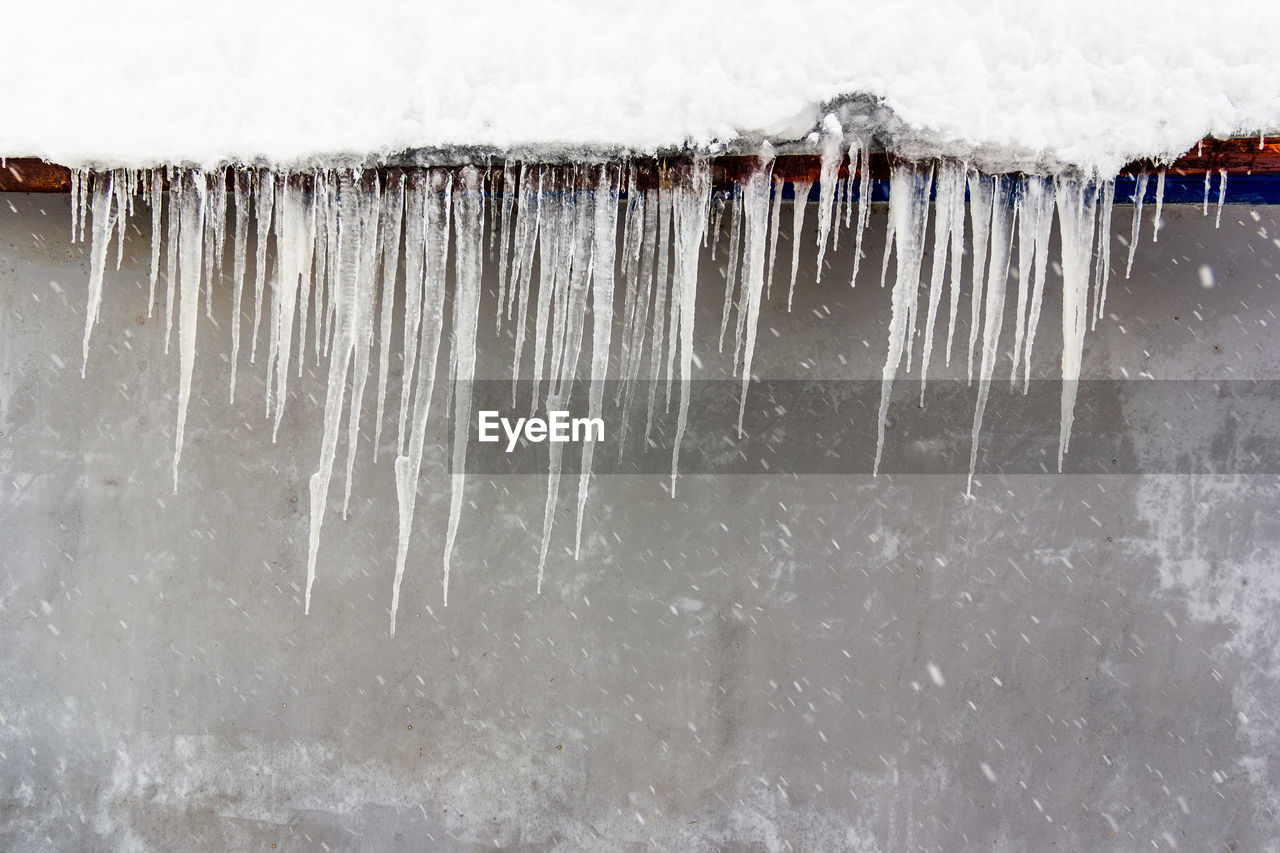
342 238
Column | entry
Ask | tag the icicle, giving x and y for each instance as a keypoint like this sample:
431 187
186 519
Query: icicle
284 255
562 279
1030 206
550 236
718 205
690 214
958 176
321 197
295 240
77 209
392 219
1139 195
240 191
1222 196
218 212
864 203
156 192
417 235
1208 176
171 251
1039 206
191 201
1155 228
800 198
602 285
731 266
640 322
345 261
755 201
1102 272
263 201
1002 216
948 200
775 220
981 198
830 150
210 239
529 212
660 301
468 231
366 290
841 211
309 272
575 281
333 236
295 243
1076 207
632 237
122 199
427 215
103 221
504 236
908 209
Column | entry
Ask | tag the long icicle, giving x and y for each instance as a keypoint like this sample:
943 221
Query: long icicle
575 278
948 184
345 262
427 215
690 214
1076 199
908 210
366 289
468 206
1102 272
191 202
602 286
755 199
734 208
103 222
1003 214
263 203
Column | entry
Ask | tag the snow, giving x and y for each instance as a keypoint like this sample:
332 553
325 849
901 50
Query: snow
1087 83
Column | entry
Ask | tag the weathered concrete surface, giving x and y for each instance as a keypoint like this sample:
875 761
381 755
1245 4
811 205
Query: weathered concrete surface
1065 662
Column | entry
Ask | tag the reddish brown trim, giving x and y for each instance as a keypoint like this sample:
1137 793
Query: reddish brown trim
1238 156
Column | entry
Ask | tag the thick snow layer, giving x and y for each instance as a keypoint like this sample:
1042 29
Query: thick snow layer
1088 83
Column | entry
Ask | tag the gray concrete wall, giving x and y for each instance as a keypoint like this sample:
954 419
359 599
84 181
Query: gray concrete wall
745 667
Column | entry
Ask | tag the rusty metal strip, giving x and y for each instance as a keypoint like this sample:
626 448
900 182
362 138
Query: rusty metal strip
1239 157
